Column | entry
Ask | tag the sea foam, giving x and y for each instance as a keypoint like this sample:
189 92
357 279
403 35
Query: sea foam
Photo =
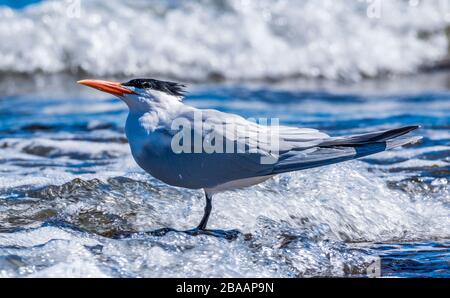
231 39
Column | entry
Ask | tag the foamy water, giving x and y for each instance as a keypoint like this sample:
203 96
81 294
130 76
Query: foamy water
252 40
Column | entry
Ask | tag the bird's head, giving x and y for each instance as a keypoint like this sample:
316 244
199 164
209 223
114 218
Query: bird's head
140 93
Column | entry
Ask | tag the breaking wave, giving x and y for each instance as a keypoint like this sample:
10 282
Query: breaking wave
300 224
227 39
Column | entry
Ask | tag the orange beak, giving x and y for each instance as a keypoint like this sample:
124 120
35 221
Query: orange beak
106 86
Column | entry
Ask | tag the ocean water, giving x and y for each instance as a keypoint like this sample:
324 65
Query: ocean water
74 203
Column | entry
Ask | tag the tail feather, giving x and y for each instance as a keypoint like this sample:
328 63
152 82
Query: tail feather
367 138
343 149
397 142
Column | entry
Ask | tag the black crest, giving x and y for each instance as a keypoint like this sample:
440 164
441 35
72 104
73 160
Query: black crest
171 88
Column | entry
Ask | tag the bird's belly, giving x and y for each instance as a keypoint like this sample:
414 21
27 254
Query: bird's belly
195 170
240 183
162 169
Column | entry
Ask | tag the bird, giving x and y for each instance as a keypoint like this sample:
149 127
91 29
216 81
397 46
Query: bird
207 149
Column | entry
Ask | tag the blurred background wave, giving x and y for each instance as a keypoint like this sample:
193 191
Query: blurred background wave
199 40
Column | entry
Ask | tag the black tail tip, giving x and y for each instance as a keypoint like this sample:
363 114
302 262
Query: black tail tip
406 129
396 132
412 127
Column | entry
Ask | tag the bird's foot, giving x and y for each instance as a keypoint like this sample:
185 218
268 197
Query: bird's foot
229 235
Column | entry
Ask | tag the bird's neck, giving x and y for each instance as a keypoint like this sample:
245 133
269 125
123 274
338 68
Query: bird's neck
151 114
155 102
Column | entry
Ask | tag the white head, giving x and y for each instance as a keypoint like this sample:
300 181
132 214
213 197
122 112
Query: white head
141 94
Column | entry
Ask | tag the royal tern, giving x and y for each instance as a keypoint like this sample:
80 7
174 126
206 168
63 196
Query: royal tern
158 120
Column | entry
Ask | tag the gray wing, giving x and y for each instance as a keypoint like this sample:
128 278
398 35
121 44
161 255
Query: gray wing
294 148
263 139
273 150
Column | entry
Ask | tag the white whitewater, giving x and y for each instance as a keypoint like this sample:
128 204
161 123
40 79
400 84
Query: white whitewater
243 39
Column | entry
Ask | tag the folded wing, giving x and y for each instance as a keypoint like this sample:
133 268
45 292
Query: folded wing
292 148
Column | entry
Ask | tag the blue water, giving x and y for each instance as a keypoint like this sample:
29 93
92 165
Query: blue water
415 259
69 186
